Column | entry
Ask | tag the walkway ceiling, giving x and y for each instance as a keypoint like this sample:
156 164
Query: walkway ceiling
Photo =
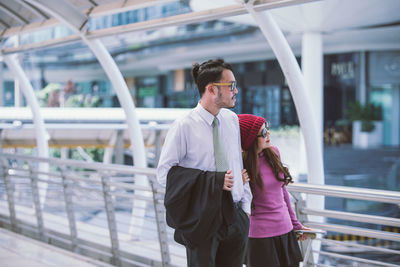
22 16
347 25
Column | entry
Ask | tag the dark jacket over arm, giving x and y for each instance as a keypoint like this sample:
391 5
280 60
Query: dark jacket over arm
196 205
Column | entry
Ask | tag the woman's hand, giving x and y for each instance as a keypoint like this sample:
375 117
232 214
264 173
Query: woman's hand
304 235
245 176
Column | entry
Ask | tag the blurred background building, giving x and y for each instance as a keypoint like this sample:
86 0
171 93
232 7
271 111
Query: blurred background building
361 55
154 44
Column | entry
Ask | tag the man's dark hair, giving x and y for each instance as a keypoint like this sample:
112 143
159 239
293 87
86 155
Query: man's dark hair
208 72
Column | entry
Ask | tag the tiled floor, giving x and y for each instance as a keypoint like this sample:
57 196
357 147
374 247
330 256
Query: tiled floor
19 251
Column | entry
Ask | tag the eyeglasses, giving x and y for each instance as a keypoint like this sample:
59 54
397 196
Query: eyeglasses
231 84
264 130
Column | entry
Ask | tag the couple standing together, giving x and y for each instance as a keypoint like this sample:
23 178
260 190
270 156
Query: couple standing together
226 191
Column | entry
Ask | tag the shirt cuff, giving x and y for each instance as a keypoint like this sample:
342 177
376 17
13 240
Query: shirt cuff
246 207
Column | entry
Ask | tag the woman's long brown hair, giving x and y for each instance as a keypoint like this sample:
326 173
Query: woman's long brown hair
250 162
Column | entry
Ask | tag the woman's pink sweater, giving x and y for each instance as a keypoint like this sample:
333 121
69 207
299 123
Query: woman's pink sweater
272 214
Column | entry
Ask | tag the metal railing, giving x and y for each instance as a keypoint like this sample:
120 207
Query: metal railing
369 227
91 209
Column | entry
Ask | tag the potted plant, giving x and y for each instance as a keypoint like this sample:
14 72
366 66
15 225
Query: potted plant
367 124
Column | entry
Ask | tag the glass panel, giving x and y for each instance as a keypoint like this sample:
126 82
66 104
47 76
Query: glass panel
382 96
265 102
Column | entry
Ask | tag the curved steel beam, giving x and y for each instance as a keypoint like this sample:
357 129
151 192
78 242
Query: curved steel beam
181 19
67 16
5 24
124 97
63 11
40 130
33 9
41 134
13 14
297 87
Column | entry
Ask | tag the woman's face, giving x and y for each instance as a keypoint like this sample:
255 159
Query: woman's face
263 140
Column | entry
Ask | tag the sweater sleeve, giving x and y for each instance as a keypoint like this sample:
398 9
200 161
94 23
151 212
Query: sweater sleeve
296 224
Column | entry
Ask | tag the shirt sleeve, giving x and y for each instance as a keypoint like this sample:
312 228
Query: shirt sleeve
173 151
296 224
247 195
246 205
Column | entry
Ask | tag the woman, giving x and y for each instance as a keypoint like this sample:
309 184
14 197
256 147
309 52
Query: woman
272 240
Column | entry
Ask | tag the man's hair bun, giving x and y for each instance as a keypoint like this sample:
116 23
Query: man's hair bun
195 71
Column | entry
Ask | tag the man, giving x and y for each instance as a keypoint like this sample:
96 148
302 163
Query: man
193 141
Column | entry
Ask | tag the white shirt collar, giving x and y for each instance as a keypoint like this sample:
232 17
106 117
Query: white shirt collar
206 115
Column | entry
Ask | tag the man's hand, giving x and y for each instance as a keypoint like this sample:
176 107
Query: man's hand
228 181
245 176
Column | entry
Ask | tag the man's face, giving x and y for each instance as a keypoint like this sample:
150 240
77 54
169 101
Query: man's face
226 98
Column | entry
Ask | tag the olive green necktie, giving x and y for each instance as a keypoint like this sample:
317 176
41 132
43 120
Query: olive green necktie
219 153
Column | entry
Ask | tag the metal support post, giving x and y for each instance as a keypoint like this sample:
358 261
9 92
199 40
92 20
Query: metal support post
119 148
161 228
157 147
300 203
112 224
36 202
108 152
1 130
308 260
1 84
10 196
70 211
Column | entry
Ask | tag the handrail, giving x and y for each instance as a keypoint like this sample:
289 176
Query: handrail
347 244
337 255
382 196
351 230
347 192
84 164
351 216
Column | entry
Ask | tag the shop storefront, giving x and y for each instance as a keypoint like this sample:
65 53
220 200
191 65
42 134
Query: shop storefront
384 90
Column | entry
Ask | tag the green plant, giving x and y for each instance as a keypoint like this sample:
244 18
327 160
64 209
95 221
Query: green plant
44 94
365 113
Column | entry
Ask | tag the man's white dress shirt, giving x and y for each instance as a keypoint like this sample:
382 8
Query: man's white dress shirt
189 143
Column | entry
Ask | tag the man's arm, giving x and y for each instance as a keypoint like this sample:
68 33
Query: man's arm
173 151
247 196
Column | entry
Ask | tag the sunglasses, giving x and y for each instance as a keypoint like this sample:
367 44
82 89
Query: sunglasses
231 84
264 130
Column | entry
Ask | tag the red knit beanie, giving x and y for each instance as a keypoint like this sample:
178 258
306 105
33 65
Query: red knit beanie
249 127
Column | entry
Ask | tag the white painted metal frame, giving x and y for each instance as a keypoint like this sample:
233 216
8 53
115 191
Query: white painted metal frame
297 87
64 11
40 130
182 19
33 9
72 17
311 130
13 14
